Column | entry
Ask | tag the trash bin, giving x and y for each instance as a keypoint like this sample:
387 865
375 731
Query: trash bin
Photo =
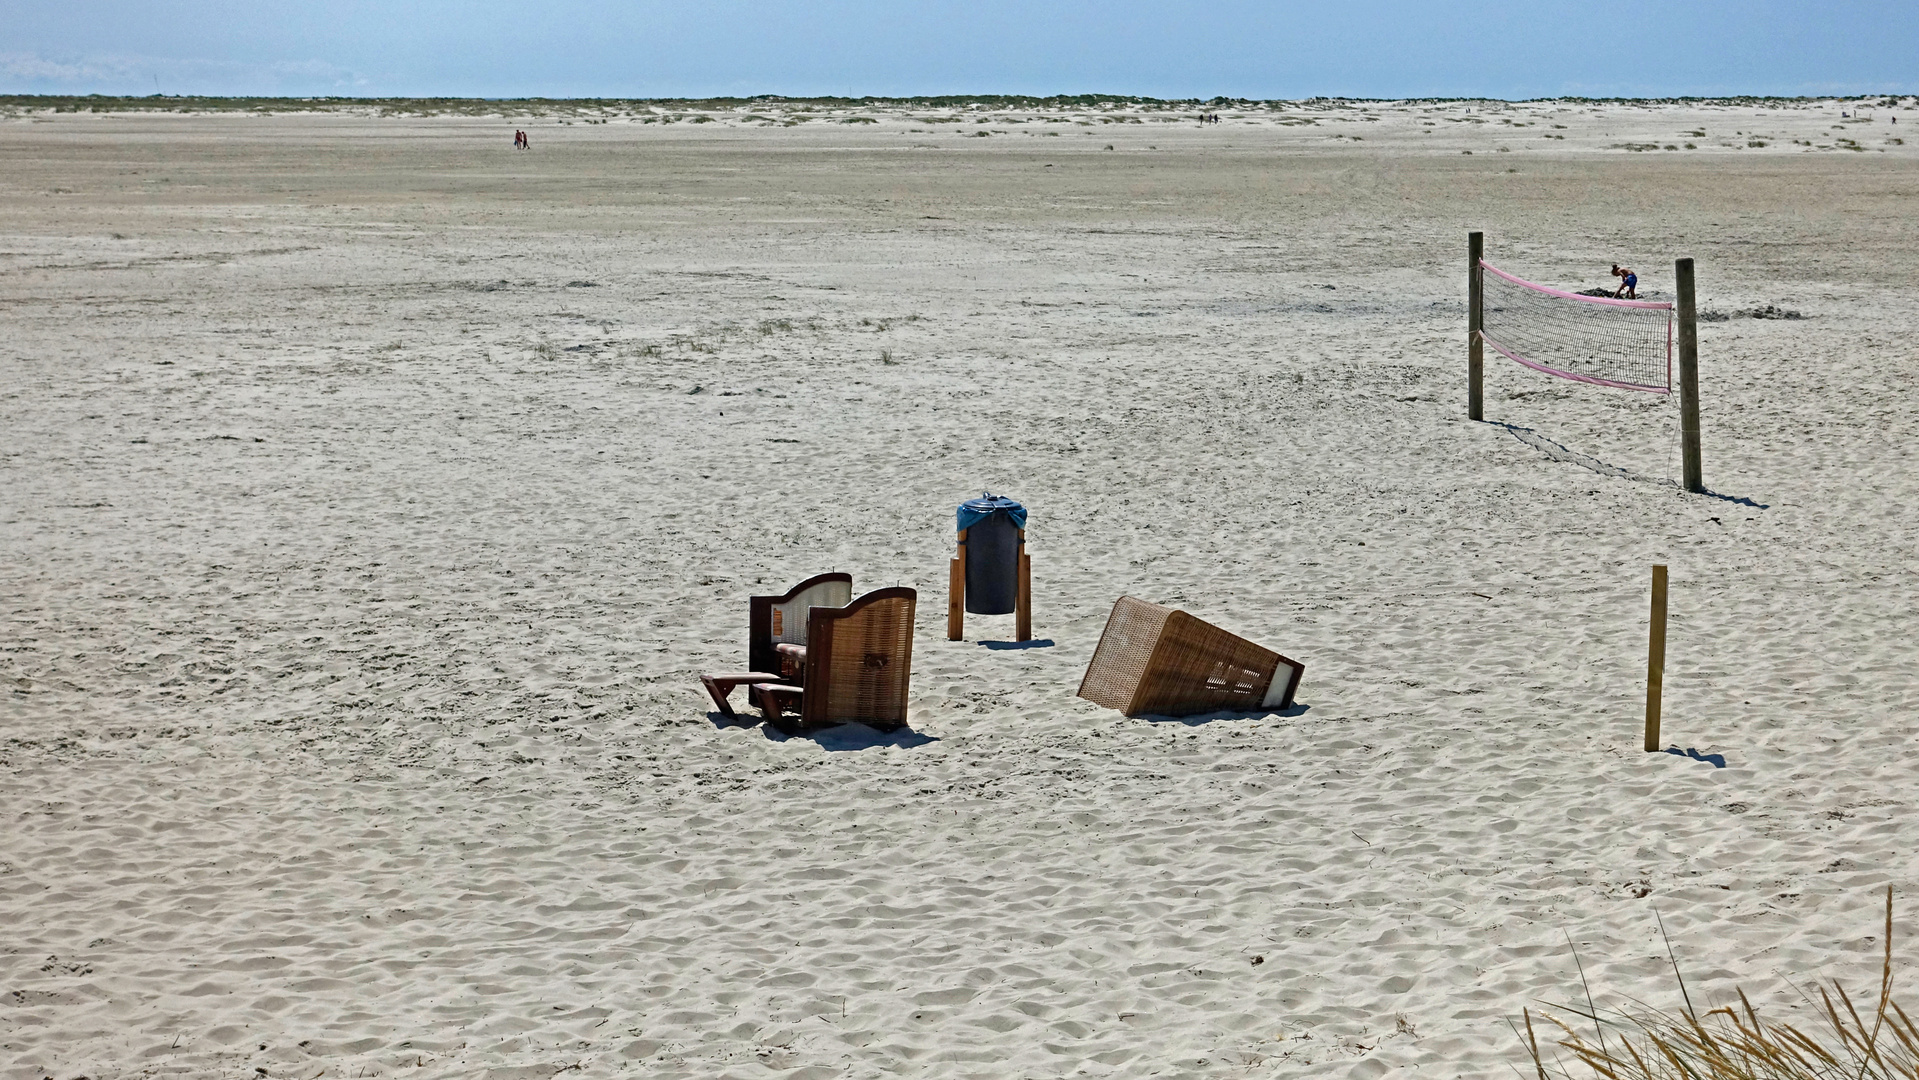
990 573
992 553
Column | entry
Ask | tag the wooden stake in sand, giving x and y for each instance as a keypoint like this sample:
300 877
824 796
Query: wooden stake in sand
1655 658
1688 376
1475 321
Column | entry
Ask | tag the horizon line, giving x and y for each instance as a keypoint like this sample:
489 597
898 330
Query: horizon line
1885 99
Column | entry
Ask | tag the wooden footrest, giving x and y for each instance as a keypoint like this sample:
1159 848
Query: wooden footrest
769 696
721 686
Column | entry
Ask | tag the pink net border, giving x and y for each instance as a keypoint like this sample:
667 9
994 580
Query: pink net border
1573 375
1654 304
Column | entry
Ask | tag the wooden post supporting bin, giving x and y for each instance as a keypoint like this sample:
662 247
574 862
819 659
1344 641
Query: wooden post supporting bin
1023 599
956 592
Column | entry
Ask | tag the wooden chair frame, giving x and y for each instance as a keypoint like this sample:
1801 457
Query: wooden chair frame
850 677
768 659
762 636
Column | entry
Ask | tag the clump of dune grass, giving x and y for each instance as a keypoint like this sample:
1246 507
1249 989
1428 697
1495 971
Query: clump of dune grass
1734 1043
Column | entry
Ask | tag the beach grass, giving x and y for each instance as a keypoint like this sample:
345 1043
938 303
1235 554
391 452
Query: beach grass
1730 1043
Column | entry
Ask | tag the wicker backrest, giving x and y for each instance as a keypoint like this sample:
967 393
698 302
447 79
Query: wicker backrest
859 660
789 617
1124 653
1154 659
1197 667
774 620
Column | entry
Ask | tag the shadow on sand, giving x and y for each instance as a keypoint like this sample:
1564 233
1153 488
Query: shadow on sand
1196 719
1042 643
854 737
1717 761
1562 452
840 737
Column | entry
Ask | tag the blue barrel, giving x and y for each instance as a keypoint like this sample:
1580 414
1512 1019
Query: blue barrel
992 524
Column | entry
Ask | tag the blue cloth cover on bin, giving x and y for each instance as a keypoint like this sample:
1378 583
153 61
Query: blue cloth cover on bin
974 511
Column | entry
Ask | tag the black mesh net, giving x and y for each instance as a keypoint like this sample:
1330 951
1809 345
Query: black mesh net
1579 337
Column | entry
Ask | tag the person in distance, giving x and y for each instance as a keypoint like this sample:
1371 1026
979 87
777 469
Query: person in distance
1628 283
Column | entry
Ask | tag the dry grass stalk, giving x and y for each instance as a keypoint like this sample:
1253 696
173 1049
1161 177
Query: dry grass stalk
1735 1043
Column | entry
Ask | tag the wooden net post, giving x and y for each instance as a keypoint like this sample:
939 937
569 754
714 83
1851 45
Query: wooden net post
956 592
1655 657
1475 321
1023 596
1688 376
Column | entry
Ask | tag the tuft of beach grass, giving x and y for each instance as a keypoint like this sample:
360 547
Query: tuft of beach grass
1732 1043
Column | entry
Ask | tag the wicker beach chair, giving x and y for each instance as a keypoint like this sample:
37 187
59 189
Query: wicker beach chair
776 635
859 659
1154 659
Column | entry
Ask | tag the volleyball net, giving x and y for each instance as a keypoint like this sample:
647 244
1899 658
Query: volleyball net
1593 339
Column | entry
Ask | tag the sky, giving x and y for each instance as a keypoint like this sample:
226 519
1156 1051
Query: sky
710 48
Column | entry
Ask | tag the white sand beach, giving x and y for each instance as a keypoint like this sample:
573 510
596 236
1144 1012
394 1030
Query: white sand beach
373 493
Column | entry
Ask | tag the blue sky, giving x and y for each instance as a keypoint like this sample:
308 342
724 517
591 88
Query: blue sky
672 48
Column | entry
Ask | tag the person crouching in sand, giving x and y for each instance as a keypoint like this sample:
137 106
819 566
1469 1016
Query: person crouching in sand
1628 283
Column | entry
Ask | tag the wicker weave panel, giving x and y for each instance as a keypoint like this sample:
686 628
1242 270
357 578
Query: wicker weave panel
1197 667
861 661
1154 659
1125 650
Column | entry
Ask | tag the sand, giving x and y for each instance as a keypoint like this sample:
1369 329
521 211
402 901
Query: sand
371 495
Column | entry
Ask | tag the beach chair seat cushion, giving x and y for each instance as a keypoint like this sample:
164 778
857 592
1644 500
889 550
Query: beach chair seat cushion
792 661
